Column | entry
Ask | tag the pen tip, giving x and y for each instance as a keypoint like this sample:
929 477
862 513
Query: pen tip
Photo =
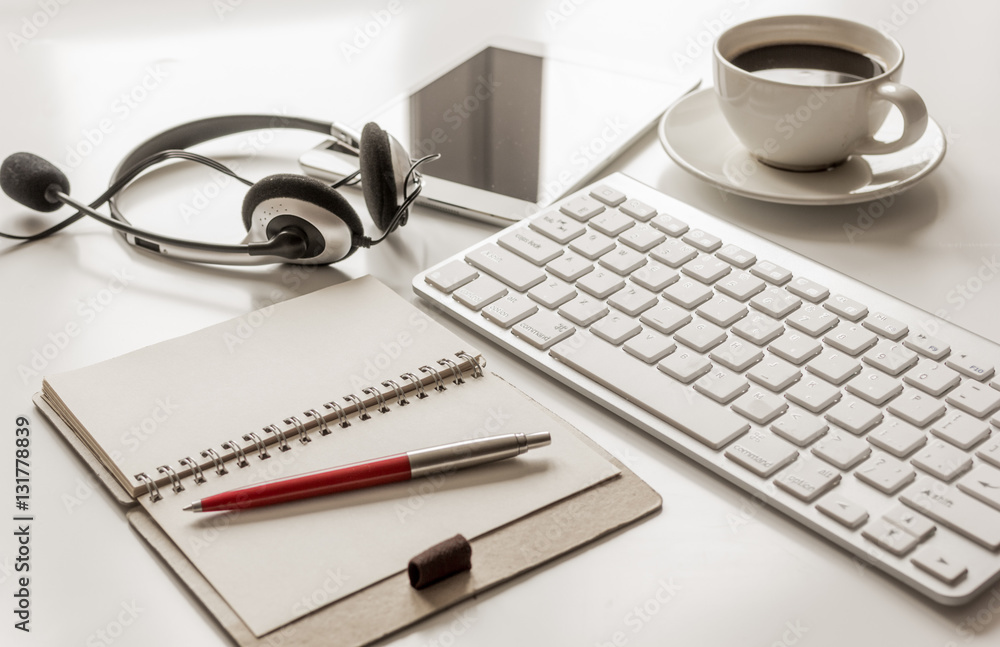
194 507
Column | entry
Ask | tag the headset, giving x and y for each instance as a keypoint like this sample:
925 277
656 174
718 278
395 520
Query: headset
289 218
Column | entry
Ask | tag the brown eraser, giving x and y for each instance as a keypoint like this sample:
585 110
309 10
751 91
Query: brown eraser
440 561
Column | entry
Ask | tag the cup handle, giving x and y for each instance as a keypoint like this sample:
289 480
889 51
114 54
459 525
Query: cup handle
914 112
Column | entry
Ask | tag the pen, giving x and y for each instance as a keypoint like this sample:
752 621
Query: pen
389 469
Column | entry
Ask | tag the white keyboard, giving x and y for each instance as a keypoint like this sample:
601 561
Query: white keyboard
861 417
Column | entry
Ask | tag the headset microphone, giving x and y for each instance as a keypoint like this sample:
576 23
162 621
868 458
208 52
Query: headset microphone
289 218
38 184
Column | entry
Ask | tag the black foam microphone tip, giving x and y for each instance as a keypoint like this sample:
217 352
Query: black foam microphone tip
27 179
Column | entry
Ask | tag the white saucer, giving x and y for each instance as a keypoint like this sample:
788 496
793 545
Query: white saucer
696 136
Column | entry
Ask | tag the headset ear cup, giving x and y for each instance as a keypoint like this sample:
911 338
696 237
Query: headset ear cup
301 187
327 240
378 178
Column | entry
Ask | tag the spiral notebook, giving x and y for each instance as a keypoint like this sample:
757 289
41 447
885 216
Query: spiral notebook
341 375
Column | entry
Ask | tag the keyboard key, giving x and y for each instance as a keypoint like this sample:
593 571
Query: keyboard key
673 252
760 406
740 285
633 300
971 367
885 473
961 430
941 565
807 479
775 374
851 338
530 245
976 399
761 453
736 354
616 328
608 195
942 460
650 346
808 290
834 366
927 346
687 293
952 508
990 452
451 275
505 266
847 308
983 483
737 256
706 269
814 395
897 437
890 357
700 335
510 309
854 415
582 208
665 317
543 329
722 385
917 525
885 326
670 225
600 283
895 540
846 513
800 427
722 311
775 302
700 418
557 227
703 240
479 292
874 386
611 222
637 209
584 310
812 320
553 293
623 260
655 276
917 408
933 378
758 328
570 267
771 273
642 238
795 347
685 365
593 245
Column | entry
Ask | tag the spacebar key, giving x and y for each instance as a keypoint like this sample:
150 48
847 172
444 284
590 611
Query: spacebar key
691 412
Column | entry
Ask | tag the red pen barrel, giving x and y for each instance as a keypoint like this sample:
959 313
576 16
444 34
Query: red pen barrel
349 477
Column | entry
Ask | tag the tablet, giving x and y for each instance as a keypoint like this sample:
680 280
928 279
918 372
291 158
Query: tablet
517 127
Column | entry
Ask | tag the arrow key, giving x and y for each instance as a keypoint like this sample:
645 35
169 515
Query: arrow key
895 540
845 512
940 565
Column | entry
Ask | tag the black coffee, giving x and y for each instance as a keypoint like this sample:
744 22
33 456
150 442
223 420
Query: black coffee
806 64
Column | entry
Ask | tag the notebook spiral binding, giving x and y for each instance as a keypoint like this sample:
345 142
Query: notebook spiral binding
334 414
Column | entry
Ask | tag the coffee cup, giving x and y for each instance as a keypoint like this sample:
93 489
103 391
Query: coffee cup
803 93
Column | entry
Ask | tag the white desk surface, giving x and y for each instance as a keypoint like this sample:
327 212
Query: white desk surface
714 568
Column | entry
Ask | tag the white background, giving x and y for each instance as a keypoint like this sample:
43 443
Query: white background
713 568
